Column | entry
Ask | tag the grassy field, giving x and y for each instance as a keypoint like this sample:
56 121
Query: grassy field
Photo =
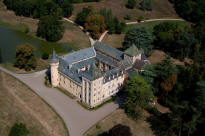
19 104
161 9
138 128
75 36
116 40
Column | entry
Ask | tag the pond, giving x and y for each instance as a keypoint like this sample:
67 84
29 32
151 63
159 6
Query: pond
10 39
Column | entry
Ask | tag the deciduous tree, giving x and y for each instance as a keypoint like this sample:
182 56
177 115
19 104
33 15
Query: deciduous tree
25 58
95 25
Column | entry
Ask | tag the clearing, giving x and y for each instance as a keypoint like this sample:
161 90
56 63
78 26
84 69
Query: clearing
161 9
138 128
19 104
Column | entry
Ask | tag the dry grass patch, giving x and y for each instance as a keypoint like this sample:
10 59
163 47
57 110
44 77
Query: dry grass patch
75 36
158 56
114 40
138 128
161 9
19 104
18 22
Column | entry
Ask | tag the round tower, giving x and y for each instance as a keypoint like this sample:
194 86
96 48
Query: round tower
54 63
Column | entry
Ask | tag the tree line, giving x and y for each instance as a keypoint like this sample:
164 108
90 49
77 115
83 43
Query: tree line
96 22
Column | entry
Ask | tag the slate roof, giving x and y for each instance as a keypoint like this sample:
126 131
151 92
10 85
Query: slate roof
133 51
79 55
83 63
109 50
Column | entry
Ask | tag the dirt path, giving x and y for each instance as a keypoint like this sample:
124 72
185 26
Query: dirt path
27 108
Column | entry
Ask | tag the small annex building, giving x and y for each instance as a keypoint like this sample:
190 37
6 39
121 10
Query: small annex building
94 74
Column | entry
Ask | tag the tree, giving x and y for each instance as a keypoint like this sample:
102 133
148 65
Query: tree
146 5
81 16
67 8
95 25
19 129
168 84
50 28
25 58
113 25
131 4
200 95
118 130
139 95
164 71
149 75
140 37
109 19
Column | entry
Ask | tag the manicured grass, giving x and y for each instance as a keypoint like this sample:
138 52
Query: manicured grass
138 128
66 93
19 103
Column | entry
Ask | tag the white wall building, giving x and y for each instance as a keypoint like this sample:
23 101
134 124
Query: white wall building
95 74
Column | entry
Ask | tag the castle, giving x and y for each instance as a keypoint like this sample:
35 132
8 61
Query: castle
94 74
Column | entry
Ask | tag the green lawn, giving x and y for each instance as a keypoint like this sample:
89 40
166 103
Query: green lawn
150 25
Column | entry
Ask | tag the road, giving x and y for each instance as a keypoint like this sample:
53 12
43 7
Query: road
77 119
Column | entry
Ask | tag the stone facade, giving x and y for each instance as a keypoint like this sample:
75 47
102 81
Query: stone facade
93 75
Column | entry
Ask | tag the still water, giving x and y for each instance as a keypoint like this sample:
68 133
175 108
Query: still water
10 39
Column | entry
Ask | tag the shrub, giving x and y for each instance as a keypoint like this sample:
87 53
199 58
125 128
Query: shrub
141 18
118 130
45 56
26 29
127 17
47 81
146 5
19 129
131 4
153 110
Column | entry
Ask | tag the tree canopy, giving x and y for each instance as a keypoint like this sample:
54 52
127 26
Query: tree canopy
139 94
25 58
95 25
140 37
50 28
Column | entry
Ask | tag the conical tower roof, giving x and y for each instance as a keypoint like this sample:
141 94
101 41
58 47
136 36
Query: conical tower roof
54 58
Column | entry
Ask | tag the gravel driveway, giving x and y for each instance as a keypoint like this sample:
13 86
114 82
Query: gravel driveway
77 119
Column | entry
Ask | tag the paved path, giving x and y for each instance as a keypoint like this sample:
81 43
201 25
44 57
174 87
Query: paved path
77 119
151 20
103 35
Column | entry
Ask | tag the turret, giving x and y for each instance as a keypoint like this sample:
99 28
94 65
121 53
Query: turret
54 63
